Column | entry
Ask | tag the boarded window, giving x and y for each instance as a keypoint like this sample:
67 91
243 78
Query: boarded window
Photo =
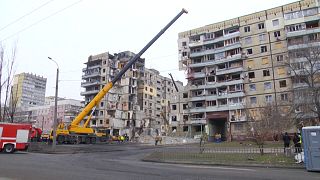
281 71
265 60
279 45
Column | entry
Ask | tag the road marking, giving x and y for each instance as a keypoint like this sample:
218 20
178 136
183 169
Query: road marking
214 167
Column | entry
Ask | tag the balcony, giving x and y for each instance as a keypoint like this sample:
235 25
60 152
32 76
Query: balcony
229 82
195 43
301 44
93 74
91 67
229 70
89 92
230 95
216 50
214 62
198 75
197 109
303 32
87 84
198 121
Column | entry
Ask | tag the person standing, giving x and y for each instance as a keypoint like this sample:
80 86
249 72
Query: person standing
286 140
296 140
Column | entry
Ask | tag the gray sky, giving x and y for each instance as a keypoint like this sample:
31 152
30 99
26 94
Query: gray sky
94 26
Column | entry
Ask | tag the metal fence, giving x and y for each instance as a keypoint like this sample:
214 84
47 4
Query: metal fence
229 154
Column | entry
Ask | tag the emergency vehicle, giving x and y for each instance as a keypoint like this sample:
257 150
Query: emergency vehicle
14 137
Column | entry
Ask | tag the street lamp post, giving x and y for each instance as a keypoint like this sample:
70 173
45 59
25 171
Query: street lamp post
55 107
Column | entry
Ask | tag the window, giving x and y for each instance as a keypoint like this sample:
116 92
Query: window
103 70
249 51
185 128
268 98
248 40
265 61
251 75
267 85
252 87
101 104
174 118
238 127
146 88
185 106
253 100
174 107
184 54
94 122
280 58
281 71
275 22
284 97
266 72
276 34
247 29
101 121
151 90
185 117
262 37
283 83
184 43
185 95
263 49
101 113
261 26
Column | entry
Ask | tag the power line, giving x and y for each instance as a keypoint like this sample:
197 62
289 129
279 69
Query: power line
18 19
37 22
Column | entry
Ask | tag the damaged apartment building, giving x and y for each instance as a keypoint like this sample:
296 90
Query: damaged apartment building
140 100
237 65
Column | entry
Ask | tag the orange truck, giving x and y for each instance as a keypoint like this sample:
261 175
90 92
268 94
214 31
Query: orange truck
14 137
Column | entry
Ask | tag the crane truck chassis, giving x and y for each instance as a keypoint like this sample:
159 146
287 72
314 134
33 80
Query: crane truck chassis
75 133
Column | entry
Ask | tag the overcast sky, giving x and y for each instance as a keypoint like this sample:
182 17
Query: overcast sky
71 30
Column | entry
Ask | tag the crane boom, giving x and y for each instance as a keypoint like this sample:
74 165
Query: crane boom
109 85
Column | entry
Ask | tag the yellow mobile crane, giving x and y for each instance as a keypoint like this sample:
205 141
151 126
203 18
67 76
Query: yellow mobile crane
75 133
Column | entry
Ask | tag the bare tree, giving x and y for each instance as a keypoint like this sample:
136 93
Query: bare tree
268 122
304 64
7 63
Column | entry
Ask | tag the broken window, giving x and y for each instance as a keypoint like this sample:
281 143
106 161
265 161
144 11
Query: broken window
185 106
276 34
283 83
211 103
251 75
284 97
184 43
185 128
261 25
174 118
280 58
249 51
174 107
263 49
247 29
266 72
185 95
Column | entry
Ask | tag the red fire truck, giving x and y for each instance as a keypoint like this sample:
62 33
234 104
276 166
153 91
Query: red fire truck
14 137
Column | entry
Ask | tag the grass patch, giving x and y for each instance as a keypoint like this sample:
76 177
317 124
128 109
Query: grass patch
225 158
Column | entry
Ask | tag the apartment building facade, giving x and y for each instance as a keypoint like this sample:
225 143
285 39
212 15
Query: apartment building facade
28 90
236 66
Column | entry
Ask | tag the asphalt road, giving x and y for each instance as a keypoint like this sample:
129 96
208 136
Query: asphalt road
122 162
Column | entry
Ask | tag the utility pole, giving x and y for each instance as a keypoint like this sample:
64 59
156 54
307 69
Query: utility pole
55 108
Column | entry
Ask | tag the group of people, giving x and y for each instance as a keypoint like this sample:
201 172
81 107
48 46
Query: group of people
297 140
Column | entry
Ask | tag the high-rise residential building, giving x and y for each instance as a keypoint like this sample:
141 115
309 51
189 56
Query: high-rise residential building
28 90
156 96
236 66
117 110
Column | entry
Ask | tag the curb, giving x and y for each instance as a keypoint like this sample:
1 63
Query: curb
221 164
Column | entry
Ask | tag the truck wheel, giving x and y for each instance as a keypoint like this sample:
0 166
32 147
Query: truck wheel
9 148
87 140
93 140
